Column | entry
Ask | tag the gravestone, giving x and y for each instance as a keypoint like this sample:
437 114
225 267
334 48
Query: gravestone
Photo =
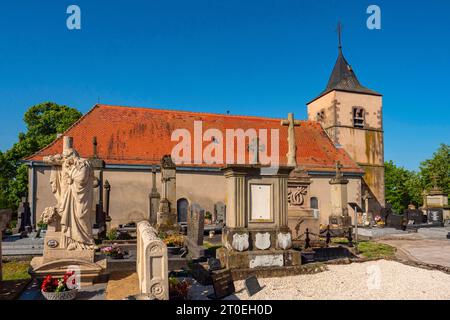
220 212
395 221
195 229
24 218
223 284
414 215
214 264
252 286
435 216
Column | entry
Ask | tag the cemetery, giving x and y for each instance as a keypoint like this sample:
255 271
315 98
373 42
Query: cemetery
160 259
132 203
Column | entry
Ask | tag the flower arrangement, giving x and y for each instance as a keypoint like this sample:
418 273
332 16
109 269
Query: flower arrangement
113 251
379 221
174 240
178 289
66 283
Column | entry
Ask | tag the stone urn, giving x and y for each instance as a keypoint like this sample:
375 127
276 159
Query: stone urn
65 295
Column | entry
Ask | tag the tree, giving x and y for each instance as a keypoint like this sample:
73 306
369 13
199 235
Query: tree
44 121
404 187
397 188
437 168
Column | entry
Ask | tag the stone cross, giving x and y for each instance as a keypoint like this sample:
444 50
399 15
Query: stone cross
339 166
94 147
292 148
255 148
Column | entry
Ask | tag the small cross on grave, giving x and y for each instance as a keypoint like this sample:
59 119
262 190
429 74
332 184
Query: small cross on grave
292 148
254 147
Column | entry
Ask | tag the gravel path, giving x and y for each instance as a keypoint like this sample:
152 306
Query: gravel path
370 280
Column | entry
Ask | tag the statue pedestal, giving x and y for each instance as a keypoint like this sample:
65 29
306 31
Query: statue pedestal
89 271
57 260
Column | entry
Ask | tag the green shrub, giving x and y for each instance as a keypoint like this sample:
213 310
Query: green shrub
112 234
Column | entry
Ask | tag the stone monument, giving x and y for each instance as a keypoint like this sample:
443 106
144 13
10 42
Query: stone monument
154 198
220 212
299 208
292 147
435 205
69 241
256 234
339 218
152 263
167 212
195 230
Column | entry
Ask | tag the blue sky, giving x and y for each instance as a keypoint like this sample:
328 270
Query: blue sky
260 57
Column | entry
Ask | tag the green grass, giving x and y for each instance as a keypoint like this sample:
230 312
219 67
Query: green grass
374 250
370 249
16 270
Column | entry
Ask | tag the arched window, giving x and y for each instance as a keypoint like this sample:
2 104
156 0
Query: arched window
182 210
358 117
314 203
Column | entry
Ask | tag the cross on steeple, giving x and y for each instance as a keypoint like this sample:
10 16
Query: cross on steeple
339 32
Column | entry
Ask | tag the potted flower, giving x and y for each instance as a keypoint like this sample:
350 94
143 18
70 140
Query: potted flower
379 221
174 243
178 289
60 288
113 251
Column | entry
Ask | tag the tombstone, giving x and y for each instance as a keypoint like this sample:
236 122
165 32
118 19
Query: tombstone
435 216
395 221
220 212
252 286
256 234
195 229
339 203
167 212
223 284
5 219
386 212
152 262
414 215
154 198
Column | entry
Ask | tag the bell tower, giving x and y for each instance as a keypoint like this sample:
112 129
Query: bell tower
351 114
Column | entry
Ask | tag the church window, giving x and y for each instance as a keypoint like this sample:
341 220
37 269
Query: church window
320 116
358 117
315 207
314 203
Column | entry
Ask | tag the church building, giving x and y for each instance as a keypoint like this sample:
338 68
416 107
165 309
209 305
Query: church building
343 133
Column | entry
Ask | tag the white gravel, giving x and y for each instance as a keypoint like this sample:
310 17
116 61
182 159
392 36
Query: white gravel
370 280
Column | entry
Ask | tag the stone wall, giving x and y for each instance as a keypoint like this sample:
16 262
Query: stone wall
130 190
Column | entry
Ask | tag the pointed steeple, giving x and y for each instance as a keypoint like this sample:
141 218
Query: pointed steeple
343 78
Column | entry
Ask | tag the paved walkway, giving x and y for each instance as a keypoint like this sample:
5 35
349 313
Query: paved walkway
429 251
15 246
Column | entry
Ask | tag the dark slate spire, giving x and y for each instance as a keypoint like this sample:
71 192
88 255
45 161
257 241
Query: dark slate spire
343 78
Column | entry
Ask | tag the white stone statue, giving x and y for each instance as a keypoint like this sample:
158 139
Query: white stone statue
72 181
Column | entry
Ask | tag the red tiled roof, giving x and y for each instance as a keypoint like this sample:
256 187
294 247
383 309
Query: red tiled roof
129 135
